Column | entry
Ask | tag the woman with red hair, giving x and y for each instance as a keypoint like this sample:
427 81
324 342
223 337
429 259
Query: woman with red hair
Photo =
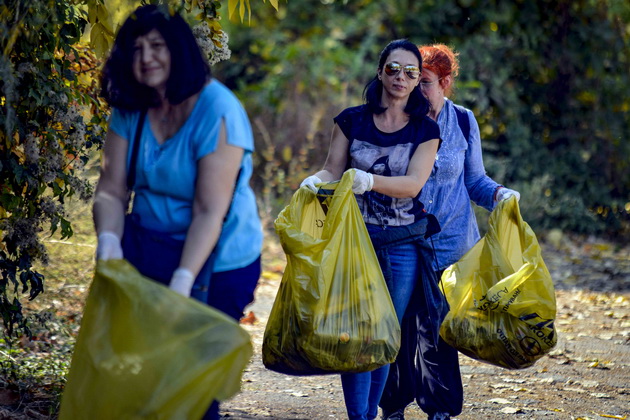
427 369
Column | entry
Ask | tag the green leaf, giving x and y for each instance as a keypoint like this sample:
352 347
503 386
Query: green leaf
66 229
232 4
99 40
274 3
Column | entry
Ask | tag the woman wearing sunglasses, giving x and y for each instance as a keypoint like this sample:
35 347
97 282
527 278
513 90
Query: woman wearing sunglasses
457 178
391 143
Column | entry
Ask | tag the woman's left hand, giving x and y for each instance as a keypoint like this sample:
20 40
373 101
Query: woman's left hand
182 281
505 193
363 182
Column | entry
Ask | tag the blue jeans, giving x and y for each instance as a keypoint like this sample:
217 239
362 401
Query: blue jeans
362 391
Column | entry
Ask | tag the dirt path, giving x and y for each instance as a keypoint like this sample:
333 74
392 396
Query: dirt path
586 376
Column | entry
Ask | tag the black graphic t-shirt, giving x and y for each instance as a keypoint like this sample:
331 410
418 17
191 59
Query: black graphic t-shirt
385 154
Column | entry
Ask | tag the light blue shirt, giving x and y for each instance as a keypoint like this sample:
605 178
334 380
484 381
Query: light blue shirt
166 174
458 176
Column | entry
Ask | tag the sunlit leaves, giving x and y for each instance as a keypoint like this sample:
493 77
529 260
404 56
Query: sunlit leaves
105 16
242 6
245 7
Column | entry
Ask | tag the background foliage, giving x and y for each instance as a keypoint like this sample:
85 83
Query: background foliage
545 78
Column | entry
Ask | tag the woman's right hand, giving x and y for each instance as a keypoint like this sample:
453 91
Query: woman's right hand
310 182
335 162
110 197
108 247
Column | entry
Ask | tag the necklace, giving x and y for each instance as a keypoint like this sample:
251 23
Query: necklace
167 116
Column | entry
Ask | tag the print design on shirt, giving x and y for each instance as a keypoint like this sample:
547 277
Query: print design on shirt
387 161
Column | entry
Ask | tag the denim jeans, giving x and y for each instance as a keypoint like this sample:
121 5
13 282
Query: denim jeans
362 391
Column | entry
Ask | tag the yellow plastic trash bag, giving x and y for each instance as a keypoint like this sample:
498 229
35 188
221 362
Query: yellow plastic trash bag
501 296
333 312
145 352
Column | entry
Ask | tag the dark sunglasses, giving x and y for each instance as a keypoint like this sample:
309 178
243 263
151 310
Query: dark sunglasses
393 68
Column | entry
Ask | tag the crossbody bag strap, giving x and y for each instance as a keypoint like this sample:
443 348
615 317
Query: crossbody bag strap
133 162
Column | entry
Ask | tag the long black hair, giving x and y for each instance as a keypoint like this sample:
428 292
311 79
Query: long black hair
417 105
189 69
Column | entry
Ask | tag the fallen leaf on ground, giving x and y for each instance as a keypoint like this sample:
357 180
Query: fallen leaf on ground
516 381
612 416
510 410
299 394
248 319
500 401
600 395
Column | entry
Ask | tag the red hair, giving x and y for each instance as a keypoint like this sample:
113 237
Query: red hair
441 60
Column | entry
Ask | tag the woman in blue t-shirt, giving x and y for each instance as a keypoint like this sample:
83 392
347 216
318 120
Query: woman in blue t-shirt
392 145
183 143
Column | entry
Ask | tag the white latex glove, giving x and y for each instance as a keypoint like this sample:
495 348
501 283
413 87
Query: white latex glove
108 247
310 183
363 182
182 281
505 193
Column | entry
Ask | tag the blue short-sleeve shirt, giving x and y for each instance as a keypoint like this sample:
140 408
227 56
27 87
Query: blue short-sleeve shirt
166 173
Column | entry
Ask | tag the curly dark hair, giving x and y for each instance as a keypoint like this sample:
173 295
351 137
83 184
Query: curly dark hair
417 105
189 69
